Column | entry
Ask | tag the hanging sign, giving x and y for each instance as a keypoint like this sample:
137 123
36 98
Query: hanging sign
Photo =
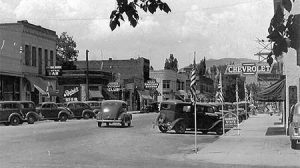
151 84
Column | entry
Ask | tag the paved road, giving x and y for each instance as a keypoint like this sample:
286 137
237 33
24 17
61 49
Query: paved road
80 143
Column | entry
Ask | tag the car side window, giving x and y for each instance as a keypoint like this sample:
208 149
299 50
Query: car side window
186 109
210 110
165 106
200 109
47 106
124 107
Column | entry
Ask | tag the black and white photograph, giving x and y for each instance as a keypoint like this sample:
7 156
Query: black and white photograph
149 83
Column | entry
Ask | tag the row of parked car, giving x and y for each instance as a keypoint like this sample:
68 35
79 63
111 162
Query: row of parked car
180 116
17 112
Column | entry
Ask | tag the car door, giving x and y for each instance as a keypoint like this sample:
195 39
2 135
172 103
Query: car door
54 110
4 112
200 112
210 117
46 110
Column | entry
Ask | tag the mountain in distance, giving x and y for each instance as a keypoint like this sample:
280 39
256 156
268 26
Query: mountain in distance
225 61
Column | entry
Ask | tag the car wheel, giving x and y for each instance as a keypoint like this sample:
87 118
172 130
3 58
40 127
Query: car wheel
180 128
107 124
30 119
163 129
6 123
204 132
15 120
123 124
99 124
63 117
86 116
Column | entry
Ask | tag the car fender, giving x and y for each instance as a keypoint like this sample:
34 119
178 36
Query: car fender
15 114
175 122
215 124
34 114
125 117
63 112
88 111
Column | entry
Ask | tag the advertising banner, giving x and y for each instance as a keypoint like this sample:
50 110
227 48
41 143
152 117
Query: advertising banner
71 93
230 120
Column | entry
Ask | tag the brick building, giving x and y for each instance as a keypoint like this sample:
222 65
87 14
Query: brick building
26 50
130 76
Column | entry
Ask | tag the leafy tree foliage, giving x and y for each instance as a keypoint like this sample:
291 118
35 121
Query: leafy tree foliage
66 51
171 63
201 68
129 8
282 31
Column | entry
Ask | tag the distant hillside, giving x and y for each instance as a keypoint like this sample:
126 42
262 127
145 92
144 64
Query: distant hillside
225 61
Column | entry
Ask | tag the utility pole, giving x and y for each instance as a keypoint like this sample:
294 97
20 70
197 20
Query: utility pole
87 75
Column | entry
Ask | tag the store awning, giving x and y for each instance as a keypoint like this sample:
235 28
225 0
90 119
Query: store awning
95 94
145 94
38 83
273 93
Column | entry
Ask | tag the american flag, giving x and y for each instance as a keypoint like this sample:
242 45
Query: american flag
236 91
193 82
219 94
246 93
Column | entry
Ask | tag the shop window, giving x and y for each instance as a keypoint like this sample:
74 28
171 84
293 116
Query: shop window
40 55
33 56
166 84
27 55
46 57
51 58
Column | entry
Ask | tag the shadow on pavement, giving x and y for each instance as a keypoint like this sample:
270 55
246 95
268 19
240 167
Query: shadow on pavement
273 131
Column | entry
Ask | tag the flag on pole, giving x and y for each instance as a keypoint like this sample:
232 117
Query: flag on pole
236 91
246 93
219 94
193 82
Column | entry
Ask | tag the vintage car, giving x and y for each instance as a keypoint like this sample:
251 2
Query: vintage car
80 109
95 105
16 112
51 111
114 111
294 126
179 116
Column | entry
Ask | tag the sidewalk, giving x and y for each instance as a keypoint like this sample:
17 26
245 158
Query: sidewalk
261 142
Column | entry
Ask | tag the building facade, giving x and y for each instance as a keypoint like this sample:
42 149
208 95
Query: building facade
129 77
26 52
170 84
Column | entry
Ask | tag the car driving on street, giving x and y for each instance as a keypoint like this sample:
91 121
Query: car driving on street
114 111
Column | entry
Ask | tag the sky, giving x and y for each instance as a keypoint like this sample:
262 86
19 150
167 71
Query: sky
212 29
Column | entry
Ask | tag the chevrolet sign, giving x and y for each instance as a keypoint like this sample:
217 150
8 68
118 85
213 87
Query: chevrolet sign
248 68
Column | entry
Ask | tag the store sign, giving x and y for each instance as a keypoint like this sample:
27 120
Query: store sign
151 84
113 87
230 120
71 93
248 69
53 71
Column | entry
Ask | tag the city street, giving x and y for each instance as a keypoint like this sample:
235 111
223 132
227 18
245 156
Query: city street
80 143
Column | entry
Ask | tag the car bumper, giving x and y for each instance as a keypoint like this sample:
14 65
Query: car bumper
110 121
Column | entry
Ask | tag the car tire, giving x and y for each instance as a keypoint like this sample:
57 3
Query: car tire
294 144
162 129
86 116
63 117
99 124
107 124
204 132
123 124
15 120
6 123
180 127
30 119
